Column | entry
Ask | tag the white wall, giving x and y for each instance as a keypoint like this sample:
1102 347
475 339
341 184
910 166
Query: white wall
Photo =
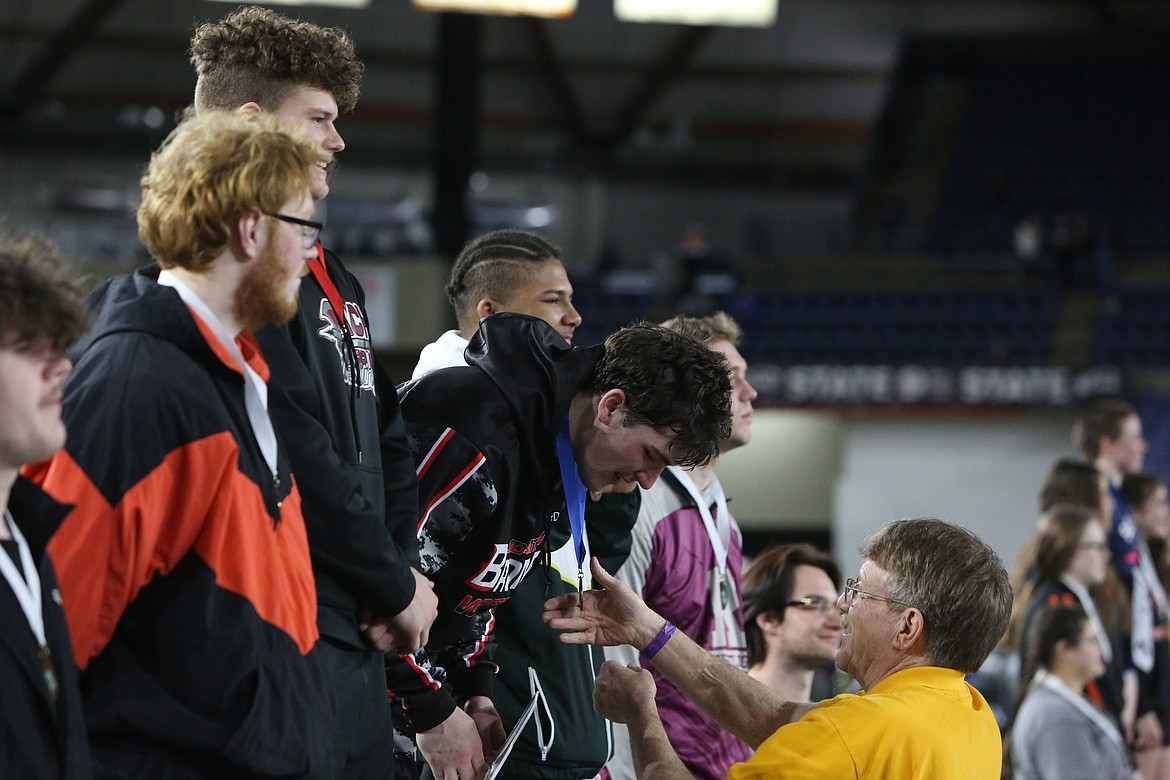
850 473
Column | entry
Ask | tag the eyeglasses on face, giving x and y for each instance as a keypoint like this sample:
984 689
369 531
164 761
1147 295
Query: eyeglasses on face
819 604
852 593
1098 546
310 230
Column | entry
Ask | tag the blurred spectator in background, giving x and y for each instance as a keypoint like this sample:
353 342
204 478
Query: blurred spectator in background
1070 558
1110 433
790 617
1058 734
702 272
1146 495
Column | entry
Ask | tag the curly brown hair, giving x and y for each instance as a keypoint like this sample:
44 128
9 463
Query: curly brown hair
257 55
40 303
671 382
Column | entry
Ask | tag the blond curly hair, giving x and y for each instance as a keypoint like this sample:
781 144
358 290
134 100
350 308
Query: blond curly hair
212 169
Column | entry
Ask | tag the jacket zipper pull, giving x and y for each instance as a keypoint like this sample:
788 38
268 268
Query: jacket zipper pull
276 495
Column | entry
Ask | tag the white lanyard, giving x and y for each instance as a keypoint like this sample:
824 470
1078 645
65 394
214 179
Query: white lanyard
1057 686
1090 609
723 590
718 528
255 389
27 587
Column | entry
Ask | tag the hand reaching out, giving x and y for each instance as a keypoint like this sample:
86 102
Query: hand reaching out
609 614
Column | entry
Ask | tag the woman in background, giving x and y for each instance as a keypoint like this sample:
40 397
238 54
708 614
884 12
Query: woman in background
1071 558
1146 494
1058 733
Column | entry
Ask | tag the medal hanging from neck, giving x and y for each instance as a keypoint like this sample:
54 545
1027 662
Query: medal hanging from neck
574 498
26 587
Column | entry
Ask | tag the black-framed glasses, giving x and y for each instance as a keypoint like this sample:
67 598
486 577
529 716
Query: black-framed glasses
852 592
819 604
310 230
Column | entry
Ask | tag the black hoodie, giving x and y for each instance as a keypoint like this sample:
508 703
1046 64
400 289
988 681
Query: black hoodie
484 444
337 414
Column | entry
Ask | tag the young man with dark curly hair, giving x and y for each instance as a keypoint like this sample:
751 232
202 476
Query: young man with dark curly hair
518 271
501 446
331 401
685 559
42 727
184 565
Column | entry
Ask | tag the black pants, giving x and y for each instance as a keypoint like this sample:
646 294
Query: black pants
361 733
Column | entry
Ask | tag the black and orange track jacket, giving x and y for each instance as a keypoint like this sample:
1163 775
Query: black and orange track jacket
184 565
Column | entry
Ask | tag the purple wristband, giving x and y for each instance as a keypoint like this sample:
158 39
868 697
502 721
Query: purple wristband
658 642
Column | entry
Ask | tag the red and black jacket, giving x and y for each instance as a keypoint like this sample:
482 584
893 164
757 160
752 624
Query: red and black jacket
483 437
184 566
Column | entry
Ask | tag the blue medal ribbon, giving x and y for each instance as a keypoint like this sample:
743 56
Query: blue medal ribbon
574 496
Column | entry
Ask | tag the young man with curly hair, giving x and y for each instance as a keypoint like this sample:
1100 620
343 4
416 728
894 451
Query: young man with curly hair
685 559
42 727
184 565
517 271
334 406
501 446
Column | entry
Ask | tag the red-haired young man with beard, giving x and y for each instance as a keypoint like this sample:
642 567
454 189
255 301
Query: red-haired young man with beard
184 566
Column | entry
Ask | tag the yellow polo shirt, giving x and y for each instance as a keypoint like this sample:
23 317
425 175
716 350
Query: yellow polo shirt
919 724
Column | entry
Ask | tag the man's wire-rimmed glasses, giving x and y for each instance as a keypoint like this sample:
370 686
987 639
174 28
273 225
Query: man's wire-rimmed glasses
852 592
310 230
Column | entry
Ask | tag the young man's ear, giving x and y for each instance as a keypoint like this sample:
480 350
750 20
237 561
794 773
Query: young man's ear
767 621
249 107
609 404
247 234
486 308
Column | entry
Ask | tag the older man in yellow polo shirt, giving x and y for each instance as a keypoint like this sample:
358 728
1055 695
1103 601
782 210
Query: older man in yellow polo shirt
928 605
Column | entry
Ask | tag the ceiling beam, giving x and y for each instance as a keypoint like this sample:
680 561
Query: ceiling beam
670 67
572 119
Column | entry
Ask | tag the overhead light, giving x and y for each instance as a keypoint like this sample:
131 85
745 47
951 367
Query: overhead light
740 13
320 3
547 8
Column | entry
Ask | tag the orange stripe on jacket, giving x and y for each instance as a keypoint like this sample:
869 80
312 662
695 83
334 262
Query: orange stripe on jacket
196 499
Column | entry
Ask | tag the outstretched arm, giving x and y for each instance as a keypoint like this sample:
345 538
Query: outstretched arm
616 616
